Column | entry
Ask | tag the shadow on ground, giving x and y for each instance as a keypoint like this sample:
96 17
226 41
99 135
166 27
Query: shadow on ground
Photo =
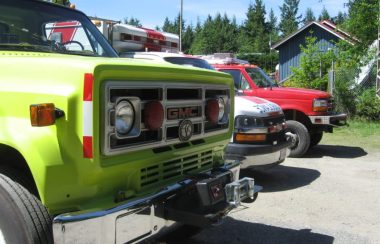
282 178
335 151
235 231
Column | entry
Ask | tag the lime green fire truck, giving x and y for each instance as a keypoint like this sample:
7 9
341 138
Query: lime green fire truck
99 149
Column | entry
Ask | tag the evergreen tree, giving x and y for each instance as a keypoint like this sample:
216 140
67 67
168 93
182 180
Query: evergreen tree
132 21
255 29
340 18
230 30
289 19
168 26
187 39
273 28
309 16
217 34
201 44
324 14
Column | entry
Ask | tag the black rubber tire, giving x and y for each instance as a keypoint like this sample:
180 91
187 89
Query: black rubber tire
302 143
315 138
23 217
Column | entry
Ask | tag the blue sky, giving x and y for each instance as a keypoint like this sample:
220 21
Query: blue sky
152 13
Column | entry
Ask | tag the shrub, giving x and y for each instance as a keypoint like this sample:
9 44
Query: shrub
368 106
345 91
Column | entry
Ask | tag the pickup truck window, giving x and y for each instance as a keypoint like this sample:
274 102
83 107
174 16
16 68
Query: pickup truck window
240 81
260 78
37 27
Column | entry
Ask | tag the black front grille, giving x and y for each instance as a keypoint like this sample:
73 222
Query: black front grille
184 94
273 120
142 93
180 102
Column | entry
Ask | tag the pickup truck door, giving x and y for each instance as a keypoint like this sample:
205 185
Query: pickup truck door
242 81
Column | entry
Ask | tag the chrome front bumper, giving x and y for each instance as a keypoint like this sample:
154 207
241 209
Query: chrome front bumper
255 156
332 120
142 218
265 159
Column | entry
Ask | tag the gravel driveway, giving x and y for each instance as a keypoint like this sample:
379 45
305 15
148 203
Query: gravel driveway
331 196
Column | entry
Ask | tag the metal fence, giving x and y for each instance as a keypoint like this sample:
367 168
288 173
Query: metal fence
350 78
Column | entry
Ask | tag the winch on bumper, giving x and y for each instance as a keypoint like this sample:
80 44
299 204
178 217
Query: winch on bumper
200 200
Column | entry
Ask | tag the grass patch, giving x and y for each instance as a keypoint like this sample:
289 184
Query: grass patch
357 133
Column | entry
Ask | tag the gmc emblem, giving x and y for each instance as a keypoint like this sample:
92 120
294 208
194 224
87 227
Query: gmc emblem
182 113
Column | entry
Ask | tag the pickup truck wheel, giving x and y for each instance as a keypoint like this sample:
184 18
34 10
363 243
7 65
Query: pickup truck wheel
315 138
23 217
301 139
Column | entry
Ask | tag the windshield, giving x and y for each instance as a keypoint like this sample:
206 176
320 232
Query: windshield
260 78
43 27
194 62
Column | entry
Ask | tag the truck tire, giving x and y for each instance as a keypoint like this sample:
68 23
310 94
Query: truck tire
315 138
301 141
23 217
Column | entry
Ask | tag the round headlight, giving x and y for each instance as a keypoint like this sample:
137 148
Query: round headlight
222 107
125 116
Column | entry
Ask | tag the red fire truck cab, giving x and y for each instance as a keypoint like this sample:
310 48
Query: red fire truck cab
308 112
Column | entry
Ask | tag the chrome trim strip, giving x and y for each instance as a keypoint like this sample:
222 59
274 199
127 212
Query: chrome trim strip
70 217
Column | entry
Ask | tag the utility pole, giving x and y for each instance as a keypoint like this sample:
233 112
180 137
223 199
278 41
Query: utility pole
180 27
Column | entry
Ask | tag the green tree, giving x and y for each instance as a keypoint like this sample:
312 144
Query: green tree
324 14
132 21
309 16
217 34
255 30
340 18
289 19
187 39
231 31
363 20
273 28
168 26
314 65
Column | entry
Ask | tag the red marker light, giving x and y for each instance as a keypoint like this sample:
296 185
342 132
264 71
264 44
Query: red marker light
212 111
153 115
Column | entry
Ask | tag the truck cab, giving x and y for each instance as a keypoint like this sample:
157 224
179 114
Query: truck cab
308 112
99 149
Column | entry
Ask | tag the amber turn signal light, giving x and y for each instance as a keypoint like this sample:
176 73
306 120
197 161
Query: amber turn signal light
250 137
320 109
42 114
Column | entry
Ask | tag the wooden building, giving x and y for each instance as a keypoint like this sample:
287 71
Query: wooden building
327 35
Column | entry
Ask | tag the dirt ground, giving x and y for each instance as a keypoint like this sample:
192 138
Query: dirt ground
330 196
